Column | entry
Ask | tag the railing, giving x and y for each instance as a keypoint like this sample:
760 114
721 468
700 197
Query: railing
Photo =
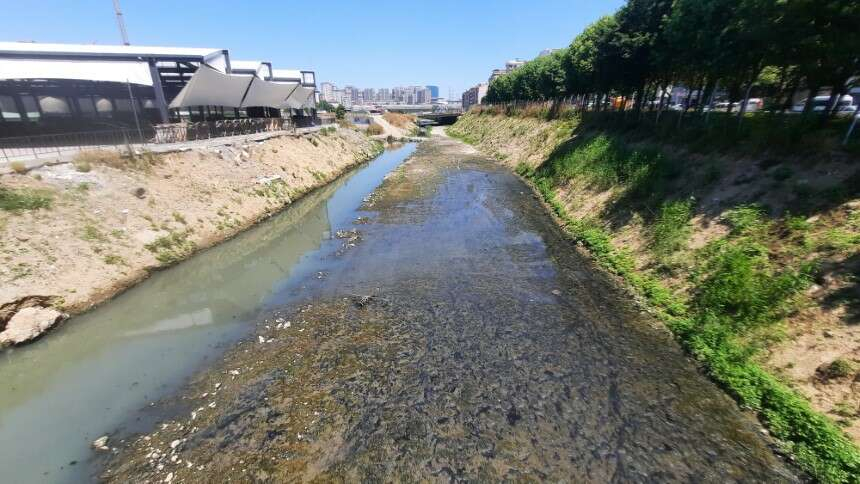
176 133
55 145
52 145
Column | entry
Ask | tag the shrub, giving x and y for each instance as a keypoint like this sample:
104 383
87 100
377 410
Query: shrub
374 129
838 368
18 167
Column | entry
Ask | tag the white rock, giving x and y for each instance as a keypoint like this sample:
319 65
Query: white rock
169 477
28 324
175 444
101 443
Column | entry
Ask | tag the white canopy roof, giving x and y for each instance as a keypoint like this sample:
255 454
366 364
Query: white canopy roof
85 70
270 94
300 98
106 50
209 87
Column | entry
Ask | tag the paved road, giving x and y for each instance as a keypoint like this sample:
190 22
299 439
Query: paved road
457 337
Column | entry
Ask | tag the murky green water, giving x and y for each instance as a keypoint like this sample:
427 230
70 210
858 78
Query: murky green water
99 372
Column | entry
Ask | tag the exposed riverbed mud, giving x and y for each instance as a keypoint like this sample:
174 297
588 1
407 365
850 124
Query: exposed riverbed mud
460 337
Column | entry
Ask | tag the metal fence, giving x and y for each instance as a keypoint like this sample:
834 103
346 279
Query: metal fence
54 145
176 133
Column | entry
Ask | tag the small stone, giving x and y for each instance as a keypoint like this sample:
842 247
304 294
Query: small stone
101 443
175 444
139 192
556 292
169 477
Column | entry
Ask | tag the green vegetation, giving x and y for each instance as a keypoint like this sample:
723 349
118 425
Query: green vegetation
734 291
721 50
340 112
16 200
172 248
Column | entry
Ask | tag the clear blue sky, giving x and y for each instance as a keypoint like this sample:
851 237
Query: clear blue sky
380 43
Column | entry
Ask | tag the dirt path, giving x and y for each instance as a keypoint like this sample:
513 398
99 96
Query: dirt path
457 336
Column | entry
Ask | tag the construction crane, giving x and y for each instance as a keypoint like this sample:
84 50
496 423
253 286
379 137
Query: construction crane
120 22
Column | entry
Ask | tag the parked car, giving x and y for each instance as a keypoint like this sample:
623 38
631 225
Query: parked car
845 106
753 104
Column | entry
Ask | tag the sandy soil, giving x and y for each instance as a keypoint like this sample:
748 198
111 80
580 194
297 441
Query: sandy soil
390 129
108 228
822 332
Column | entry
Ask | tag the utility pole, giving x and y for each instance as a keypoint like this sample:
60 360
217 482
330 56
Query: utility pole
120 22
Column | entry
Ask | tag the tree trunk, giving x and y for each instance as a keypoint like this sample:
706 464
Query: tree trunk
684 110
789 100
813 91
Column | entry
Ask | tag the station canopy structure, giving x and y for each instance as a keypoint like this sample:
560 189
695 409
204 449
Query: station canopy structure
179 77
210 87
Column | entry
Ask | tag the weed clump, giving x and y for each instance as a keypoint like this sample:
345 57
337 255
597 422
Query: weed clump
172 248
16 200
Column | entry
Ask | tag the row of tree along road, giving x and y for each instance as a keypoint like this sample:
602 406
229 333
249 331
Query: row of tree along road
733 49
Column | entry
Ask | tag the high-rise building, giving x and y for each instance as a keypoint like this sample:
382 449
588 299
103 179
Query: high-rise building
434 91
474 95
327 91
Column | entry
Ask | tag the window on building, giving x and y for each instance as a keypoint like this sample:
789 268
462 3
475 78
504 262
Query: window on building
104 107
122 105
31 108
8 109
88 107
54 106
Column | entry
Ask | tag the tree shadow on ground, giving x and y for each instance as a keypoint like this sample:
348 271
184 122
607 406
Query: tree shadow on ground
849 295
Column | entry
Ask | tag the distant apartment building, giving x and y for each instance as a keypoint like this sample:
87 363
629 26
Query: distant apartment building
509 67
474 95
327 92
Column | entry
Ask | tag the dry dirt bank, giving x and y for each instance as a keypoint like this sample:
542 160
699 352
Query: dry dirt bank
816 349
111 221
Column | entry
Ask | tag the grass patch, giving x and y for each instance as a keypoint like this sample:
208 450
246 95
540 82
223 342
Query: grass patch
374 129
671 229
172 248
17 200
142 161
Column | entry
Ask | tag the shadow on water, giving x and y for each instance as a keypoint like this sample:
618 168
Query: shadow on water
95 373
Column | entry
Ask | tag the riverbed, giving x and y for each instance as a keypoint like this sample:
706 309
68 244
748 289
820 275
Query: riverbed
103 372
455 334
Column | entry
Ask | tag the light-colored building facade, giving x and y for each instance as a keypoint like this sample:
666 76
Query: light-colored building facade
474 95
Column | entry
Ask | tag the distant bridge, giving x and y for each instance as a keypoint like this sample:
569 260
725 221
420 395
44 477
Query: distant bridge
442 119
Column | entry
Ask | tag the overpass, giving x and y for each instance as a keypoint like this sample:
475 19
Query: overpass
440 118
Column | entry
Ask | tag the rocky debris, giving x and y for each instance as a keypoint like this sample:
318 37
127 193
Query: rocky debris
139 192
29 323
267 180
101 443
